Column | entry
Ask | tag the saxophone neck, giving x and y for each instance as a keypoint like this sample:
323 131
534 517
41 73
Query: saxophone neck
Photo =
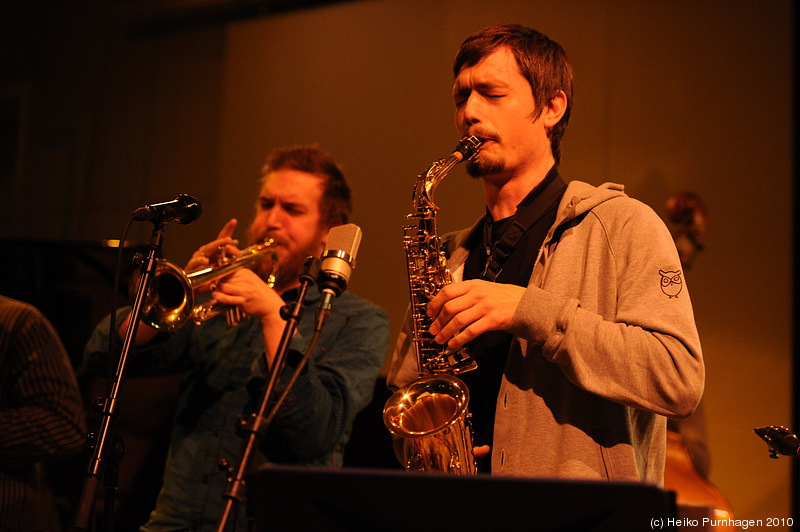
466 149
423 197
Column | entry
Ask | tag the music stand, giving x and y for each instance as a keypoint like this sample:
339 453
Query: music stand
312 498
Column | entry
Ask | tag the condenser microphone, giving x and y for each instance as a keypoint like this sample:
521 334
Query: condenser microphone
183 210
338 261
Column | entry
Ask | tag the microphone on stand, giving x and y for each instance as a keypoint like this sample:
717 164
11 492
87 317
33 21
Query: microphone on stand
338 261
183 210
780 441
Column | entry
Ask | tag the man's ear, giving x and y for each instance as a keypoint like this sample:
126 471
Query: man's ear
555 110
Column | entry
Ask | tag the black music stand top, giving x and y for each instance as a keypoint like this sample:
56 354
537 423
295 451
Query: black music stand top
311 498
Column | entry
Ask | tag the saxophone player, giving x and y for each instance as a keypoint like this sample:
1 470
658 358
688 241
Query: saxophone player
303 194
570 296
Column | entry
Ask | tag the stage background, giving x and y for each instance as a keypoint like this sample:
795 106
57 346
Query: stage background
109 106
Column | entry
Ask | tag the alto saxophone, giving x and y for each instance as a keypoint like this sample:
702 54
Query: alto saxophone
429 418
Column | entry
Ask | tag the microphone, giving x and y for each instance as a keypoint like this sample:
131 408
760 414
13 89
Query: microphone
338 261
183 210
780 441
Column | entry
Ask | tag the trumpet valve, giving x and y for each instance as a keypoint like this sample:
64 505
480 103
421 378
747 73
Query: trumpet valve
222 255
235 316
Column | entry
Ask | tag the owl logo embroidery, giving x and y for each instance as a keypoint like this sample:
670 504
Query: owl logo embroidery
671 282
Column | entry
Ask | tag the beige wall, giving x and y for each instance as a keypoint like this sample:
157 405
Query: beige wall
669 96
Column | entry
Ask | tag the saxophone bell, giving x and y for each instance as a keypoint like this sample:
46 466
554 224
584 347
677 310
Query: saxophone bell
430 422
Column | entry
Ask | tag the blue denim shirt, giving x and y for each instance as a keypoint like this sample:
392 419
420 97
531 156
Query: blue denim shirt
223 366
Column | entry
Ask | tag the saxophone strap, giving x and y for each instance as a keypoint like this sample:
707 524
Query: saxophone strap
529 212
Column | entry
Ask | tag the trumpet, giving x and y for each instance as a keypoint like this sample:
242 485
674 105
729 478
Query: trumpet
170 300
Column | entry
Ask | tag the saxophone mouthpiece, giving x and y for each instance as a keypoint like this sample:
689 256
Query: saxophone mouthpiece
468 148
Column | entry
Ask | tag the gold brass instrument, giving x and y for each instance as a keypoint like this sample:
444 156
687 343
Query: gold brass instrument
429 418
169 302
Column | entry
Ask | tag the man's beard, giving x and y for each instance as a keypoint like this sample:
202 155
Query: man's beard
481 167
289 268
265 267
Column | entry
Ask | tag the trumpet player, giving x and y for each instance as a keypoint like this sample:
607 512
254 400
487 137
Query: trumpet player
302 195
570 295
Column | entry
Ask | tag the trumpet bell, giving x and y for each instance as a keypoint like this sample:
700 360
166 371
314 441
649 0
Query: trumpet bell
168 304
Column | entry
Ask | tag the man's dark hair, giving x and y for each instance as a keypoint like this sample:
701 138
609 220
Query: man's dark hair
336 205
541 61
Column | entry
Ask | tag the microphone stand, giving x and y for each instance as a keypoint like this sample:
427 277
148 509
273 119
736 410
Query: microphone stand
106 447
234 492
